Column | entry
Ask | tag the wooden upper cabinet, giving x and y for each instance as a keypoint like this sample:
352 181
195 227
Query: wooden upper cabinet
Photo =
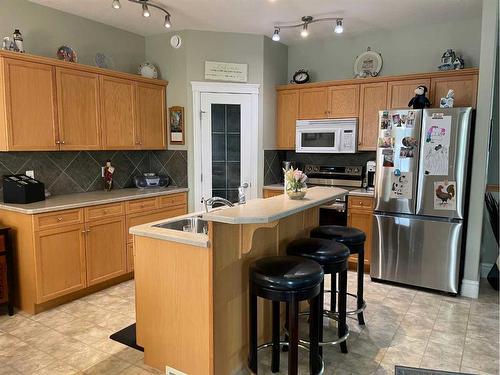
287 113
313 103
59 261
373 98
399 93
343 101
78 109
151 126
30 106
465 88
118 113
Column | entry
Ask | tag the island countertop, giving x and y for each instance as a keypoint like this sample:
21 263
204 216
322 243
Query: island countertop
263 211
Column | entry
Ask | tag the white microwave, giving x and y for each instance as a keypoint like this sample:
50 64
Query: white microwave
326 136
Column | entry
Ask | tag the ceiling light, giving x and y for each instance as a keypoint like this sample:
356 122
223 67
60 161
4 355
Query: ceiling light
339 29
304 33
276 35
145 11
116 4
167 23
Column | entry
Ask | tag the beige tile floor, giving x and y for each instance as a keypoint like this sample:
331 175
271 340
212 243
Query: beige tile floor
404 326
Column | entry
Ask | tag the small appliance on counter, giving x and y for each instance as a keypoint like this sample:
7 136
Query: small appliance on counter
371 167
19 188
151 180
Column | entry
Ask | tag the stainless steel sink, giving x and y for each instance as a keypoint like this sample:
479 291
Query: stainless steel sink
194 224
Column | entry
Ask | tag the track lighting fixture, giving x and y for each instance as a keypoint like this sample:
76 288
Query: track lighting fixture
146 4
339 29
304 24
276 35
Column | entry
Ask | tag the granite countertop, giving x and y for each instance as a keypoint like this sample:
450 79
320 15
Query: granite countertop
263 211
362 193
77 200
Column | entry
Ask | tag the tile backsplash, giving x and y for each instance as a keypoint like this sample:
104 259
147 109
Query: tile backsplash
273 159
65 172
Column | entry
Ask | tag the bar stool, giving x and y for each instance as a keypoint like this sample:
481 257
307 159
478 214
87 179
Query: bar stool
290 280
332 256
354 239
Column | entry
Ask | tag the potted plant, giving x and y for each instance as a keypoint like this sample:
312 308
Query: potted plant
295 183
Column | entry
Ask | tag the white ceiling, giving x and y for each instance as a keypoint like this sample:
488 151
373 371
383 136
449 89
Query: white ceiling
259 16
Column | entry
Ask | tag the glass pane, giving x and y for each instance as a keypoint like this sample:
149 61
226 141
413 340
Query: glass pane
226 150
318 139
218 117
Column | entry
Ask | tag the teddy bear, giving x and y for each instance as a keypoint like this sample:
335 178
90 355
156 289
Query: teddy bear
420 101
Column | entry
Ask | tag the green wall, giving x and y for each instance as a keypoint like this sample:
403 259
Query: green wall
45 30
412 49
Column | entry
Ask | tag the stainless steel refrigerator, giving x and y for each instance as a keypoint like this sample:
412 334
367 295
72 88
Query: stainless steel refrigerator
421 196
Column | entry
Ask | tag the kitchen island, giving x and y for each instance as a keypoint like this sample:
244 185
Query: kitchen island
192 288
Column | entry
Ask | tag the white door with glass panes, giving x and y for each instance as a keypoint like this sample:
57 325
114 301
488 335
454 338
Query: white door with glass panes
226 133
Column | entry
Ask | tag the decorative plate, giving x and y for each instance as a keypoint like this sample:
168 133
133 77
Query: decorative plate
67 54
368 64
103 61
148 70
176 41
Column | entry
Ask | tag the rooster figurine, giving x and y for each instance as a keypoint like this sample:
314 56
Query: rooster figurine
445 196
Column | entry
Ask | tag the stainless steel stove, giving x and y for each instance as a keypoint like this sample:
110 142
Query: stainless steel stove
345 177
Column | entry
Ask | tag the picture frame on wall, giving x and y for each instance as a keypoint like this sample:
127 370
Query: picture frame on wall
176 125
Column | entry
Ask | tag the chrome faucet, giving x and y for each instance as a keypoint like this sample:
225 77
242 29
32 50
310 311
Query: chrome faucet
210 202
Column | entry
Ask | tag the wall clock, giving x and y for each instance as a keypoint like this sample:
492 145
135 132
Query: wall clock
368 64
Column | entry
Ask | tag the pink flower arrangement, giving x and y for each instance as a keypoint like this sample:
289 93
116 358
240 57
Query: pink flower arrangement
294 179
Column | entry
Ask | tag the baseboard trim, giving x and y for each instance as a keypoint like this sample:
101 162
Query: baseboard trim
470 288
485 269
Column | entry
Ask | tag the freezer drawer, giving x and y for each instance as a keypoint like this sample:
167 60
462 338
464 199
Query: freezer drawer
417 251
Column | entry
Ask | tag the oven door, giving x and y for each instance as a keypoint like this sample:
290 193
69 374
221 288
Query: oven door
318 139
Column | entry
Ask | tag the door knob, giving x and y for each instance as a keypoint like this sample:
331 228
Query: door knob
244 185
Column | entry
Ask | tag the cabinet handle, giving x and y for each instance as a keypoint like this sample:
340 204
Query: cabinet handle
62 142
84 231
59 218
360 203
57 142
88 230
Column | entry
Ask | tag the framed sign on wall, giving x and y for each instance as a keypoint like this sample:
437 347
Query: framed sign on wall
176 125
222 71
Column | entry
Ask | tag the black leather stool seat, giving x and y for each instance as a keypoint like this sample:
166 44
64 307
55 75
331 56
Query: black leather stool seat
286 273
351 237
323 251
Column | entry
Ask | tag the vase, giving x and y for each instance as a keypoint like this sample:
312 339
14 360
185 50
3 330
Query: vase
296 192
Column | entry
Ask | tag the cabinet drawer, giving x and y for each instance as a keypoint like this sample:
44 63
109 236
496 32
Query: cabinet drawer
360 202
55 219
141 205
103 211
172 200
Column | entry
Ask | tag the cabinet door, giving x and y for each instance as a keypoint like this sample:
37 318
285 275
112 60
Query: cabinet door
343 101
106 250
150 109
465 88
269 193
399 93
30 94
363 220
59 261
373 98
313 103
286 117
118 113
78 110
130 257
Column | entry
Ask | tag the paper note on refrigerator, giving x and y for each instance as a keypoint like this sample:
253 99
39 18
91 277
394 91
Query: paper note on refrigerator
437 145
445 195
401 185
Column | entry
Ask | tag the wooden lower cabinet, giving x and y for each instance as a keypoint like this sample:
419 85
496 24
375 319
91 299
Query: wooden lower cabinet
59 261
130 257
105 250
360 215
268 193
148 217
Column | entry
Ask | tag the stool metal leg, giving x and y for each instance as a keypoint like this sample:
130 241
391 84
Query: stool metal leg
314 333
342 327
252 324
333 293
321 301
275 362
293 350
361 274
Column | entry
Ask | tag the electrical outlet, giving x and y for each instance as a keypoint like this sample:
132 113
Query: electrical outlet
102 171
30 174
